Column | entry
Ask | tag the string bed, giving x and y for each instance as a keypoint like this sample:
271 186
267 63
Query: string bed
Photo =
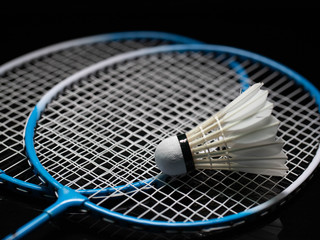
102 132
24 84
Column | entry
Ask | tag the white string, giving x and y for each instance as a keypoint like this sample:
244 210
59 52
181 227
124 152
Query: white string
150 100
169 96
22 86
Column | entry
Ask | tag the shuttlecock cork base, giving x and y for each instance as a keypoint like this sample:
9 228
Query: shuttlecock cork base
177 159
240 137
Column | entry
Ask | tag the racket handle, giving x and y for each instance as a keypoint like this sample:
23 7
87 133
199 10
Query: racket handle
67 198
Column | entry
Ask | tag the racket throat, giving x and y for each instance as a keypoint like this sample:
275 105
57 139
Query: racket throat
66 198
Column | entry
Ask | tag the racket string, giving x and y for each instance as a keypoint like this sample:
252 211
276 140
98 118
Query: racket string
122 102
150 98
23 85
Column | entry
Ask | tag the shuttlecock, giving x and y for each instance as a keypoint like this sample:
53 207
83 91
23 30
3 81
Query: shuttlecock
240 137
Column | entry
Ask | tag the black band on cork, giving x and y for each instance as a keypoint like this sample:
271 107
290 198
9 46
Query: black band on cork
186 152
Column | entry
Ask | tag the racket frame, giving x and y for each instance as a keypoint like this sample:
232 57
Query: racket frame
203 226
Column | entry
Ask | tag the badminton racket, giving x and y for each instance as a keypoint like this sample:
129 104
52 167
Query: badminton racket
92 138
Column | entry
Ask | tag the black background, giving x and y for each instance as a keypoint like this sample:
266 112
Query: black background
287 35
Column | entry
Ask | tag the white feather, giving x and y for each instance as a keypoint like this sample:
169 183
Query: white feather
240 137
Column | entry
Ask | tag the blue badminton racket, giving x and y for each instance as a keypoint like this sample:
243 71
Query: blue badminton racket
26 78
92 137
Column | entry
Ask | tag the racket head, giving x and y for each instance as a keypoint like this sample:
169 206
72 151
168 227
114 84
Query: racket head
26 78
225 199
